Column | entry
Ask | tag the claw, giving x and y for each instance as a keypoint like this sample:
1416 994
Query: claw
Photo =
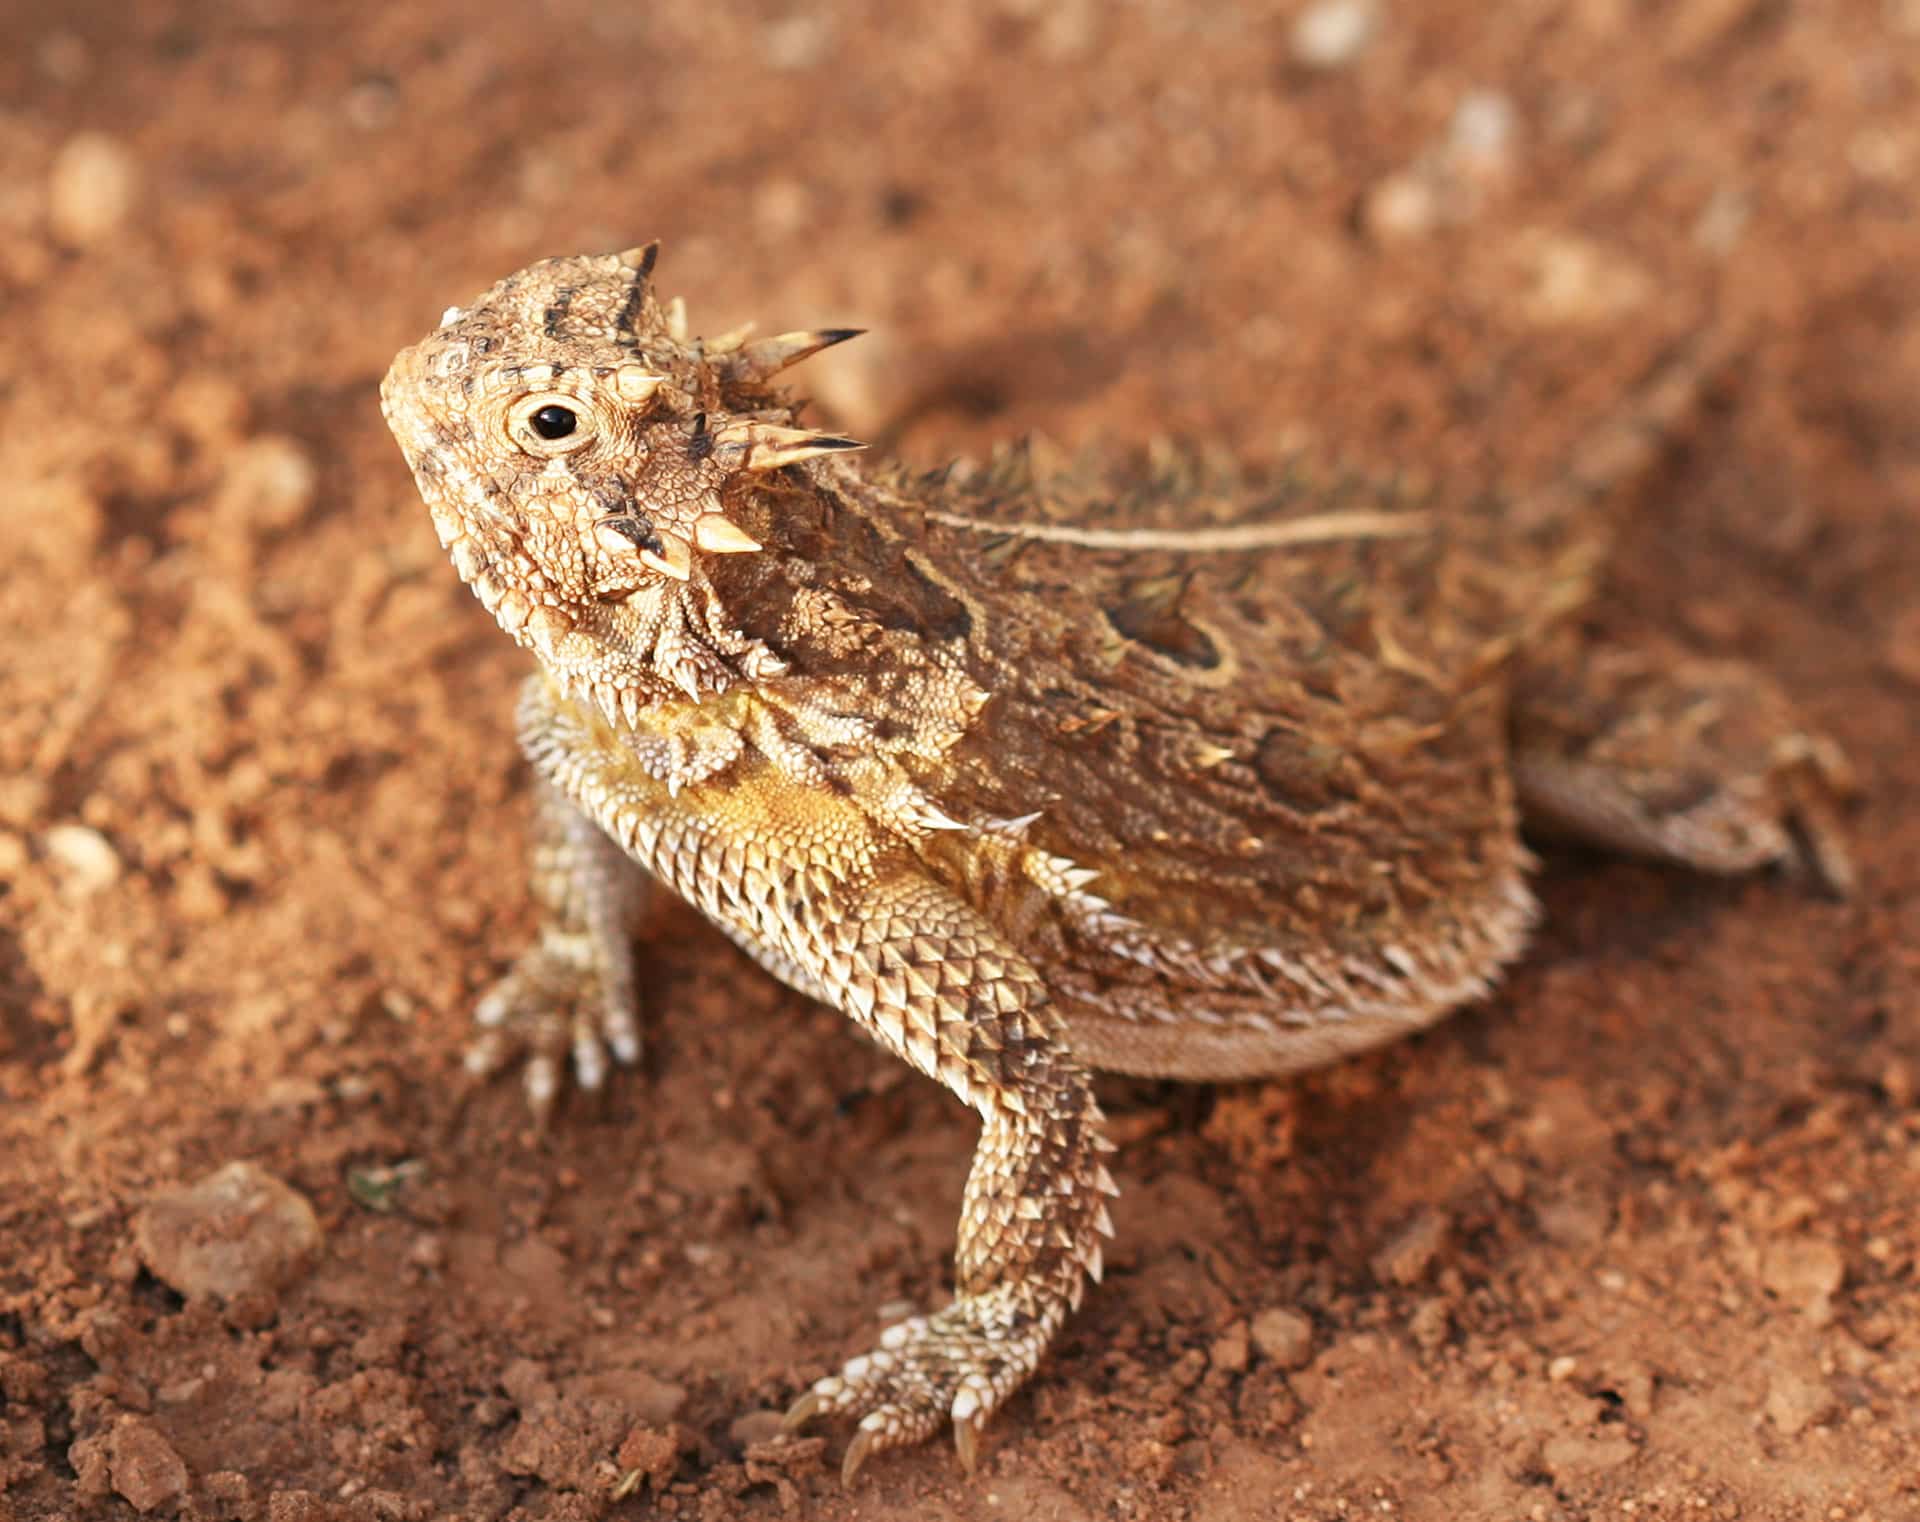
1820 845
860 1448
802 1411
624 1038
966 1443
589 1063
542 1079
486 1054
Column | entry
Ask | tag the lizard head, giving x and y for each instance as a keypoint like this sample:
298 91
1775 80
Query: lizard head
584 461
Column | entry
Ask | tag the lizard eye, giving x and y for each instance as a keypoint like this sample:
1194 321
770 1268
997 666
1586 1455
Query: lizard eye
550 425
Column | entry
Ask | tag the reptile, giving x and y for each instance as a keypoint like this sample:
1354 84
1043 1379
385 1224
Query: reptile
1148 763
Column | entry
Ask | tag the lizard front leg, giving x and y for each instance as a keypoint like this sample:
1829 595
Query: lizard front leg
572 991
848 913
941 988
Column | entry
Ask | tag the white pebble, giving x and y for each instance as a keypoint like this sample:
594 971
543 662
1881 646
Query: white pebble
1482 133
90 189
1333 33
87 857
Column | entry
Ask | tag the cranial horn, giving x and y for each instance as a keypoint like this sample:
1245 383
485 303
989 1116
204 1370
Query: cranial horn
636 383
727 342
640 258
721 536
768 446
756 362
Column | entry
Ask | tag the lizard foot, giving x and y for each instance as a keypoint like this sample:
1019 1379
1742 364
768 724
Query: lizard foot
957 1365
570 994
1814 783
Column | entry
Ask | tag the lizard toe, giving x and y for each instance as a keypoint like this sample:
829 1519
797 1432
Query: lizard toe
954 1368
557 1009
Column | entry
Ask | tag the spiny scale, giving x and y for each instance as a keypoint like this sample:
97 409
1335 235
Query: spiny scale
756 363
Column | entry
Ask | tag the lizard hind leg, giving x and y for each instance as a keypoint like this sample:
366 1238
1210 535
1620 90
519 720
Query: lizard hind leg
571 994
1650 750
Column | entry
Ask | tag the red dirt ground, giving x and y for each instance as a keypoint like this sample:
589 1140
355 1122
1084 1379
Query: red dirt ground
1635 1238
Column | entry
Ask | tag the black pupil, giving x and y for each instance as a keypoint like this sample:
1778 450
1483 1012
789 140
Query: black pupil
553 422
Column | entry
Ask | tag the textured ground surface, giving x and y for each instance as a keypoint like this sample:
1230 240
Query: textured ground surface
1636 1238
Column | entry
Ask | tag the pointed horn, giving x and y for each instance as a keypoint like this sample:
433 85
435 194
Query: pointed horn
756 362
674 558
727 342
721 536
640 258
636 383
619 534
768 446
677 320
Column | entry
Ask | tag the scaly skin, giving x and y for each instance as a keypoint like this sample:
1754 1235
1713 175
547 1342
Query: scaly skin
1033 770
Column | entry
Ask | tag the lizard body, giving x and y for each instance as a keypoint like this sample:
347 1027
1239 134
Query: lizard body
1151 765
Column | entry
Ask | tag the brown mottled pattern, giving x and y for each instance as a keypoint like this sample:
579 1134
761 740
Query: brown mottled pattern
1035 768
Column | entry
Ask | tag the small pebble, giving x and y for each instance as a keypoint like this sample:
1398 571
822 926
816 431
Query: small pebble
1805 1272
1795 1403
1411 1254
142 1466
237 1232
1403 206
1333 33
1228 1355
90 190
1284 1337
1481 137
1568 281
85 856
1431 1323
796 43
269 484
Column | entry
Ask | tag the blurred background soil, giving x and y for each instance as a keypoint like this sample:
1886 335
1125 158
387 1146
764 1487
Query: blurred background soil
1635 1238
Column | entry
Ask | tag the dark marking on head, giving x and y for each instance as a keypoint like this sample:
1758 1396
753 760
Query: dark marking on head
700 446
557 312
636 297
635 529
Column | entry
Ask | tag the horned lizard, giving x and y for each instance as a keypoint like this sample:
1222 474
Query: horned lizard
1152 765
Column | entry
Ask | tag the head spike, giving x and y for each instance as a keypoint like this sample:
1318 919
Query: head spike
768 446
677 320
727 342
757 362
721 536
640 258
674 557
622 534
636 383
